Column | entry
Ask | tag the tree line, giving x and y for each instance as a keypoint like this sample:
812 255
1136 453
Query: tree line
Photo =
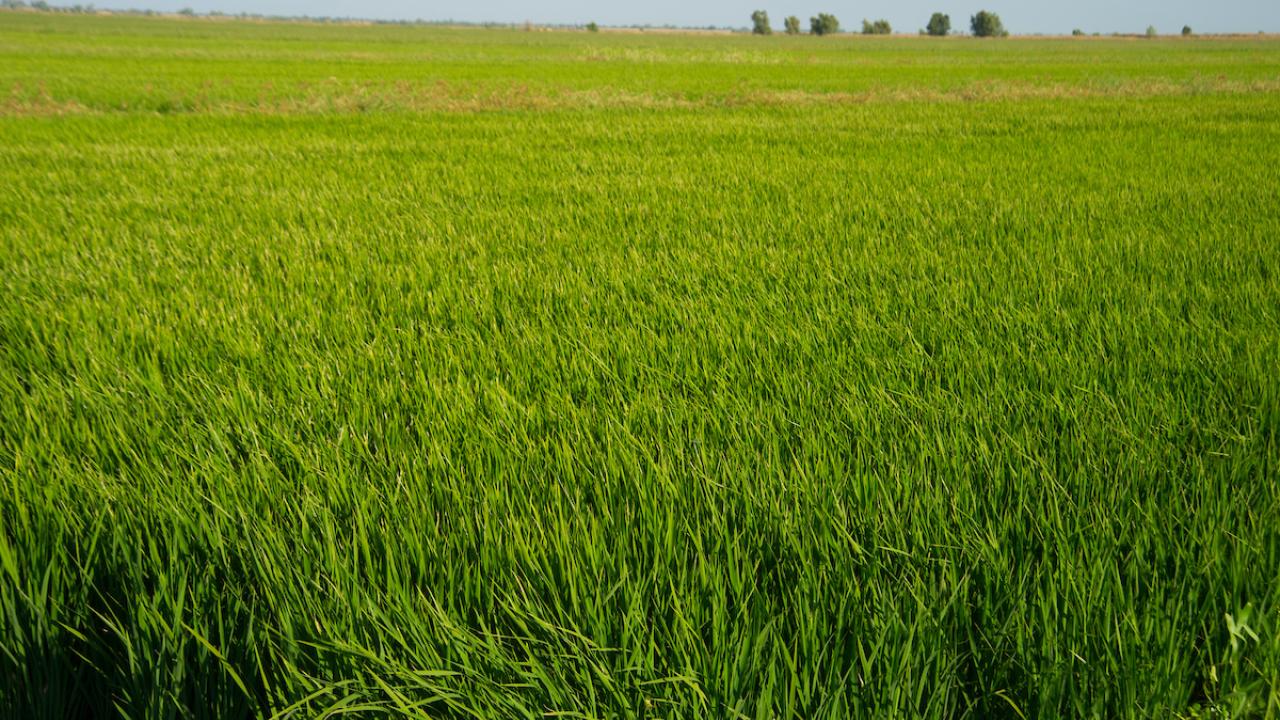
984 24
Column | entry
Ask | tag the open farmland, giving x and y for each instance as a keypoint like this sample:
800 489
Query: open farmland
436 372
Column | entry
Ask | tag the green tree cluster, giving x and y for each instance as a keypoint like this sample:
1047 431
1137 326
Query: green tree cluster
939 25
987 24
824 24
983 24
760 23
877 27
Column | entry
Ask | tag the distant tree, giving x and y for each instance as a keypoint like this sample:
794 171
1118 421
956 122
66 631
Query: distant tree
987 24
39 5
879 27
1186 31
824 24
592 27
792 25
760 23
1077 33
187 11
939 25
1151 31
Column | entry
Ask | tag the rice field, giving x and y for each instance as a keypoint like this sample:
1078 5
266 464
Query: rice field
477 373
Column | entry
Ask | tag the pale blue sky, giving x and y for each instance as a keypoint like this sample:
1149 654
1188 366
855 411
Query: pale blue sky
1020 16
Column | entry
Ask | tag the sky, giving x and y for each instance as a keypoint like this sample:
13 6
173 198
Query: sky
1020 16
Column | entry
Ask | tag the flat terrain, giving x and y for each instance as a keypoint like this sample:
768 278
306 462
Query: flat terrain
484 373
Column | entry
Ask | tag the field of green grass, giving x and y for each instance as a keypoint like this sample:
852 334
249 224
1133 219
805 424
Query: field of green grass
465 373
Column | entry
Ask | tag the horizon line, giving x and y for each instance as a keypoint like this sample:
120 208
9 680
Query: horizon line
43 6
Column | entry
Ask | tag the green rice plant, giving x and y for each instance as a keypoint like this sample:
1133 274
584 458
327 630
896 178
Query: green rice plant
473 373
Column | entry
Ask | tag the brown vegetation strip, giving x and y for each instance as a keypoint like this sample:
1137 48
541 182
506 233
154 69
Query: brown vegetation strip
337 97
